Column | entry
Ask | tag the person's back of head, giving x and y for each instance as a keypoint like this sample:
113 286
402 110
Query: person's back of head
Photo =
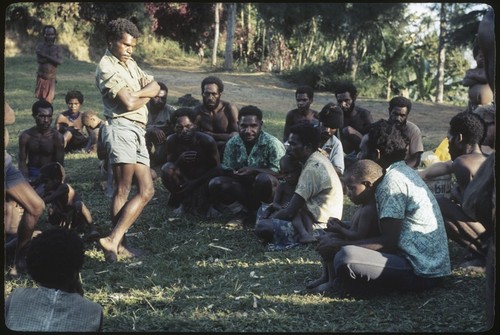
347 87
308 134
117 27
40 104
305 89
212 80
250 110
389 140
470 125
87 116
400 102
332 116
52 171
74 94
55 258
364 170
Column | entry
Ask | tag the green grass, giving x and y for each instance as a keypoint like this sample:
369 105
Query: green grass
186 282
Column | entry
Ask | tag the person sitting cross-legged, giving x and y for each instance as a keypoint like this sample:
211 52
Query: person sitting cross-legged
302 223
409 218
361 179
318 192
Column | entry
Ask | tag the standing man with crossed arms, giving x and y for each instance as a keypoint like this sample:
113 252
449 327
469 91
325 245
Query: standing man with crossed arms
125 91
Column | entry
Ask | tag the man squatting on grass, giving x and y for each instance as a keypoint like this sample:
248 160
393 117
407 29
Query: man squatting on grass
125 90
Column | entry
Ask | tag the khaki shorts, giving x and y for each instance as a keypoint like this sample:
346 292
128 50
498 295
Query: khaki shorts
125 142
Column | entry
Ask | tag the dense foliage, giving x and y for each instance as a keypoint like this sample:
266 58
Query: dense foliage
384 47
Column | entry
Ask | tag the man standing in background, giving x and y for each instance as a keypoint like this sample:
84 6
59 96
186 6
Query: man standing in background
49 56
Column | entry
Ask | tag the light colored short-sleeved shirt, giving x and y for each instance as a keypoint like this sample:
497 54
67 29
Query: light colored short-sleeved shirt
265 154
334 147
403 195
319 185
49 310
112 76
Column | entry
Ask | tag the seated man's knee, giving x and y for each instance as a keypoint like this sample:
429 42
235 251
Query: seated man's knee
167 172
37 209
215 184
148 193
264 186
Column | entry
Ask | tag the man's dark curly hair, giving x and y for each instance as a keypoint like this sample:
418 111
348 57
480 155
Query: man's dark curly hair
54 257
117 27
470 125
309 134
305 89
347 87
250 110
183 111
212 80
41 104
52 171
400 102
389 139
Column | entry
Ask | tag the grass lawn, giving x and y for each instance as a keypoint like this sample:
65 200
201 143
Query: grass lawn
205 275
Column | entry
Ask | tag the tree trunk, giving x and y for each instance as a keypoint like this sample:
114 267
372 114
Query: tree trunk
353 56
443 27
388 88
250 34
231 26
263 57
216 33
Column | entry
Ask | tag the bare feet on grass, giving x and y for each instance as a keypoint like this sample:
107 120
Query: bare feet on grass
128 252
307 239
110 252
324 288
316 282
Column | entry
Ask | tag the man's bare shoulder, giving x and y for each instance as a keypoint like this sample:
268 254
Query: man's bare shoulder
204 139
469 162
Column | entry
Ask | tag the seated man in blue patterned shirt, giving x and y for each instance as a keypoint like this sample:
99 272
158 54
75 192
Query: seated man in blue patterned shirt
411 253
251 163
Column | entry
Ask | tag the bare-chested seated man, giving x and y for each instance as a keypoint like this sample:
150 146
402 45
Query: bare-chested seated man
304 96
18 190
214 116
464 136
251 163
69 123
40 144
193 159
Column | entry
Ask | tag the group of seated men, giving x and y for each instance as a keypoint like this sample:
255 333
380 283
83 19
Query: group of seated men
216 159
